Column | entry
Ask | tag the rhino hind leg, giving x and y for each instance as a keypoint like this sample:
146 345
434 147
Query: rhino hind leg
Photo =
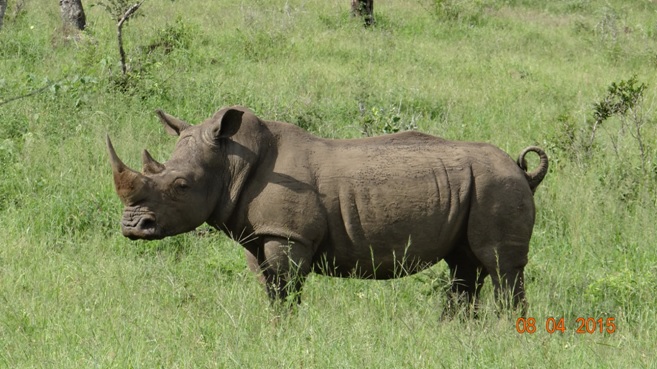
499 229
510 288
503 253
467 279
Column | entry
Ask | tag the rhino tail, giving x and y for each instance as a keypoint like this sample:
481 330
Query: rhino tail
536 176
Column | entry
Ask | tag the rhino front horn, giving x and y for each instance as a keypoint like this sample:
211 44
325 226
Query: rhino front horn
126 180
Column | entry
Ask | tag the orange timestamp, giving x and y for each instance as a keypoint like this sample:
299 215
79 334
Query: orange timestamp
584 325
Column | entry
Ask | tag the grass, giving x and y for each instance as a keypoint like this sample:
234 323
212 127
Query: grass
75 293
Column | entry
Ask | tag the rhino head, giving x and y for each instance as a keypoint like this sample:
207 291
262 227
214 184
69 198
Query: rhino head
166 199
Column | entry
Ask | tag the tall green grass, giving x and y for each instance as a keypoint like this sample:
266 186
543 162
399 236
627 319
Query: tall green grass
75 293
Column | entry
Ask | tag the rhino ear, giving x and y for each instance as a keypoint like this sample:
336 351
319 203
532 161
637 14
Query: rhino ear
172 124
227 124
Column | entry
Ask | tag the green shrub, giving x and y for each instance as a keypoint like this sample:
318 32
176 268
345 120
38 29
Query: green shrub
621 292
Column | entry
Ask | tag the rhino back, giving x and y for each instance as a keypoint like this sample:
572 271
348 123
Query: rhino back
366 206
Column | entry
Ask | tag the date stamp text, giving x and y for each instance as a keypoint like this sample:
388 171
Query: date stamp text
582 325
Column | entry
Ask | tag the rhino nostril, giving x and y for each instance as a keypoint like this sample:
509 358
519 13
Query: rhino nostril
147 223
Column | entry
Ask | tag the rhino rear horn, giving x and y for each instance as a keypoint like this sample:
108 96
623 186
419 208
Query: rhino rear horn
172 124
150 165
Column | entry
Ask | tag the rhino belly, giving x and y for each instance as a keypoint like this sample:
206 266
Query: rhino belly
384 258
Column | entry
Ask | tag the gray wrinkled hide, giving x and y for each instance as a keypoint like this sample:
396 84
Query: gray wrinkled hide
379 207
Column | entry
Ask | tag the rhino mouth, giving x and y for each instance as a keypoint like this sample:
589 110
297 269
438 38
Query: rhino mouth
139 224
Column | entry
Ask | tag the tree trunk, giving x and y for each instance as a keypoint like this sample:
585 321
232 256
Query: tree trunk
72 14
364 8
3 7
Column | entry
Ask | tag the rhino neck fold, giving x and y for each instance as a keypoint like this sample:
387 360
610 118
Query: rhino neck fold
251 154
223 217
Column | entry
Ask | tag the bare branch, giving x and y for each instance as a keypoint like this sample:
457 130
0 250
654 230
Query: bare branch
123 19
31 93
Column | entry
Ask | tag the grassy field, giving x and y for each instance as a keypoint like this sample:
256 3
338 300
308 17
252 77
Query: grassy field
577 77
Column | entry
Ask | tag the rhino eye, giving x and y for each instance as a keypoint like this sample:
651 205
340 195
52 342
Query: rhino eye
181 184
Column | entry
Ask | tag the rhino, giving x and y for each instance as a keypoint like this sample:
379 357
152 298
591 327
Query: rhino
375 208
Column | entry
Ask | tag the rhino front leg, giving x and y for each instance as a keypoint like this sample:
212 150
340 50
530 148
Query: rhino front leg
253 262
284 265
